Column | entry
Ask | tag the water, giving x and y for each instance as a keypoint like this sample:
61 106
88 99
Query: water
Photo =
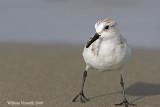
72 21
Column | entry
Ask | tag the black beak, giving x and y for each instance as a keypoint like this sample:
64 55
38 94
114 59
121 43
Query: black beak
95 37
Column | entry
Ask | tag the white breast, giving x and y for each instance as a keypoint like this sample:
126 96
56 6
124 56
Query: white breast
107 55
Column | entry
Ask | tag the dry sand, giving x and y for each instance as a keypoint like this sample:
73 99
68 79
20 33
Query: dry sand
52 74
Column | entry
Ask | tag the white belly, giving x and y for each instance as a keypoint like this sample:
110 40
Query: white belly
108 56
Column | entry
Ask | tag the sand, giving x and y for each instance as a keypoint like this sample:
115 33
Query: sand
51 75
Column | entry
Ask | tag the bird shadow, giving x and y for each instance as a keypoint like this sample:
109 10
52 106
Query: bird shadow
142 90
139 89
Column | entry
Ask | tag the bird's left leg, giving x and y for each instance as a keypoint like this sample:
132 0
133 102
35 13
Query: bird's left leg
125 102
81 94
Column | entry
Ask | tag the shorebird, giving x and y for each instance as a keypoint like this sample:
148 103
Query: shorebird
107 50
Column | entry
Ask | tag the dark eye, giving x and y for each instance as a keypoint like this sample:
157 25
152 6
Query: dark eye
106 27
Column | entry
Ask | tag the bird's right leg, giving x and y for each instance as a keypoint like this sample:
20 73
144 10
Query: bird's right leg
124 97
81 94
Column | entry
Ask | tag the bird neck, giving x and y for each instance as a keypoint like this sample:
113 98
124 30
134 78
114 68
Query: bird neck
109 35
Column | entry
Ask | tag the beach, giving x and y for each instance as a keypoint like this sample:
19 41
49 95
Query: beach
50 75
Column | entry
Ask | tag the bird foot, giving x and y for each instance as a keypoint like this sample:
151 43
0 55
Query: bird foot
82 97
126 103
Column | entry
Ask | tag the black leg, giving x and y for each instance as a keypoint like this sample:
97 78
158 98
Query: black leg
125 102
81 94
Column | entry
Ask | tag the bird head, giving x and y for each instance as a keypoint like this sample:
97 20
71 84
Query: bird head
105 29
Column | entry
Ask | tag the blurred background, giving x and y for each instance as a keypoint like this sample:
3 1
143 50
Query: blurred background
41 42
72 21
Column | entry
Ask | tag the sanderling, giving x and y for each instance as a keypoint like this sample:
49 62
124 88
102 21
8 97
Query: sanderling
107 50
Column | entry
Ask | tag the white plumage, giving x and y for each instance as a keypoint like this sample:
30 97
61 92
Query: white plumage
107 50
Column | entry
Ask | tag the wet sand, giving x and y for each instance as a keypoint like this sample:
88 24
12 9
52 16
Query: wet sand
52 75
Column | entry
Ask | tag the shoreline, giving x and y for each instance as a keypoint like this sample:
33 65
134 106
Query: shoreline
52 74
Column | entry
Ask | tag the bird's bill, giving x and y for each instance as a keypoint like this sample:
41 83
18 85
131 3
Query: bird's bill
95 37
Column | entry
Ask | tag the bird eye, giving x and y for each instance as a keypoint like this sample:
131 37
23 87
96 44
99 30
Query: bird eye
106 27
